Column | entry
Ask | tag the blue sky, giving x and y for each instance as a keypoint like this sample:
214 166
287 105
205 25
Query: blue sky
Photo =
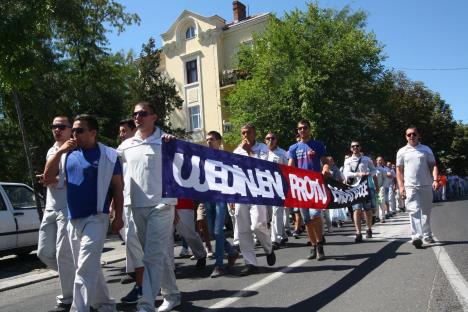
417 34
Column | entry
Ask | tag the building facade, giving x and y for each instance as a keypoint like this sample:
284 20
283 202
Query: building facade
198 53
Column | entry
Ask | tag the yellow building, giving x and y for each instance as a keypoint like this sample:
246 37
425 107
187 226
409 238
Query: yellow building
198 53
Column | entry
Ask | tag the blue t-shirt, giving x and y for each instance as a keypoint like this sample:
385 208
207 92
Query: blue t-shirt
301 153
81 169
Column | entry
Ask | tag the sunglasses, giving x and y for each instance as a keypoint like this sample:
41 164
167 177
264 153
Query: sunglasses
270 138
78 130
302 128
140 114
411 134
59 126
355 146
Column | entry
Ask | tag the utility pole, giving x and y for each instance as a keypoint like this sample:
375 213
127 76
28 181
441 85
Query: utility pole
27 153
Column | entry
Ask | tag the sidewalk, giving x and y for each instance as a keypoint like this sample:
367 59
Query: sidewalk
113 252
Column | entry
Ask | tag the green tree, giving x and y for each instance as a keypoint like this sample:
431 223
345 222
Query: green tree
153 86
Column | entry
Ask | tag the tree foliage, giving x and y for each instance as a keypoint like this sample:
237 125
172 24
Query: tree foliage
323 66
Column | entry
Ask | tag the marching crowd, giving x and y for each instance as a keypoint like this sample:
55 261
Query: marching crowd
88 181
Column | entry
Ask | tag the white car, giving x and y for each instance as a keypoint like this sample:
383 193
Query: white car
19 219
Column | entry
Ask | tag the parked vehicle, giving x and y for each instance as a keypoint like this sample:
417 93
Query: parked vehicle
19 219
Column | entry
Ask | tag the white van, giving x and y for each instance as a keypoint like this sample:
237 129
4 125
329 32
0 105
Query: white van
19 219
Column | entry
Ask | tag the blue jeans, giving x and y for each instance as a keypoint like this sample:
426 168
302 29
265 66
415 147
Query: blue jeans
215 215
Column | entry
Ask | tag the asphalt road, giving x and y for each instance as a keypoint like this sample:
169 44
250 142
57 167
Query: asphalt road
382 274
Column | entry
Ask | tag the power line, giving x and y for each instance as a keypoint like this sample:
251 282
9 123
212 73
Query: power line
433 69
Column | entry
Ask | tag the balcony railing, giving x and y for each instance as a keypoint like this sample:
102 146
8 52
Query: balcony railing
230 76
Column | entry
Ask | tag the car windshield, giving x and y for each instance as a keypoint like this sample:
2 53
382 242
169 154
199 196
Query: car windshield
20 197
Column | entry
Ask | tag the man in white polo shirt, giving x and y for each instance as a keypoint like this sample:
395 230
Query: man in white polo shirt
252 219
153 214
53 246
417 175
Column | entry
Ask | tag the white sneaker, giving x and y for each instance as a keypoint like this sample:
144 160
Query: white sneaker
184 252
167 305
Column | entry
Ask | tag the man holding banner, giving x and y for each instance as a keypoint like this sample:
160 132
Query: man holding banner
307 154
153 214
252 219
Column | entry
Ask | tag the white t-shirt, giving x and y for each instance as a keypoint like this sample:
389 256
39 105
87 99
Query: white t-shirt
366 165
56 193
278 155
260 151
417 163
143 170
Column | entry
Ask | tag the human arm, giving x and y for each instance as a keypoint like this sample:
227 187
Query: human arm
435 174
52 165
117 200
401 181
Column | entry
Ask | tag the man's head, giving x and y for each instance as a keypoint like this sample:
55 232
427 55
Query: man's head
330 160
61 128
271 140
380 161
389 164
303 129
412 136
355 148
85 128
248 133
144 116
127 129
214 139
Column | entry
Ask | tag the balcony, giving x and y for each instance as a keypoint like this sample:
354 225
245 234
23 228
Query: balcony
229 77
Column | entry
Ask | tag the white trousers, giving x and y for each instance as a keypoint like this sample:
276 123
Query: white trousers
252 219
235 238
186 228
391 199
53 249
133 249
278 231
155 227
87 237
419 205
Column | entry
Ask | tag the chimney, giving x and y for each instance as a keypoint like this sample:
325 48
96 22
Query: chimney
238 8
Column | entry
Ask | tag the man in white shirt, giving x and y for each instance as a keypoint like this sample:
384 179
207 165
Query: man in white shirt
357 167
153 215
383 179
277 155
417 175
53 246
252 219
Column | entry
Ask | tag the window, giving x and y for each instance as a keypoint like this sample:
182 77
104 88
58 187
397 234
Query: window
20 197
191 69
194 113
190 33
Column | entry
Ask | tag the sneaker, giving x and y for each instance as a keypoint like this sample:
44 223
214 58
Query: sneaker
271 258
275 245
284 241
184 253
382 220
369 234
320 253
429 240
193 258
248 270
201 264
61 307
313 253
377 219
132 296
232 260
417 243
217 272
295 234
358 238
210 255
168 305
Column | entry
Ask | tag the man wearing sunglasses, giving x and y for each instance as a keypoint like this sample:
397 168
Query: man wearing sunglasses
277 155
355 168
91 169
153 215
308 154
417 176
53 245
252 219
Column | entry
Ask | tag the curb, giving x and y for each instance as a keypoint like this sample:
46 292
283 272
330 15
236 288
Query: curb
28 278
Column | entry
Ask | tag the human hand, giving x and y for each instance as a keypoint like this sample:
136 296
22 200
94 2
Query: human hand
117 224
435 185
402 192
68 146
167 137
246 146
